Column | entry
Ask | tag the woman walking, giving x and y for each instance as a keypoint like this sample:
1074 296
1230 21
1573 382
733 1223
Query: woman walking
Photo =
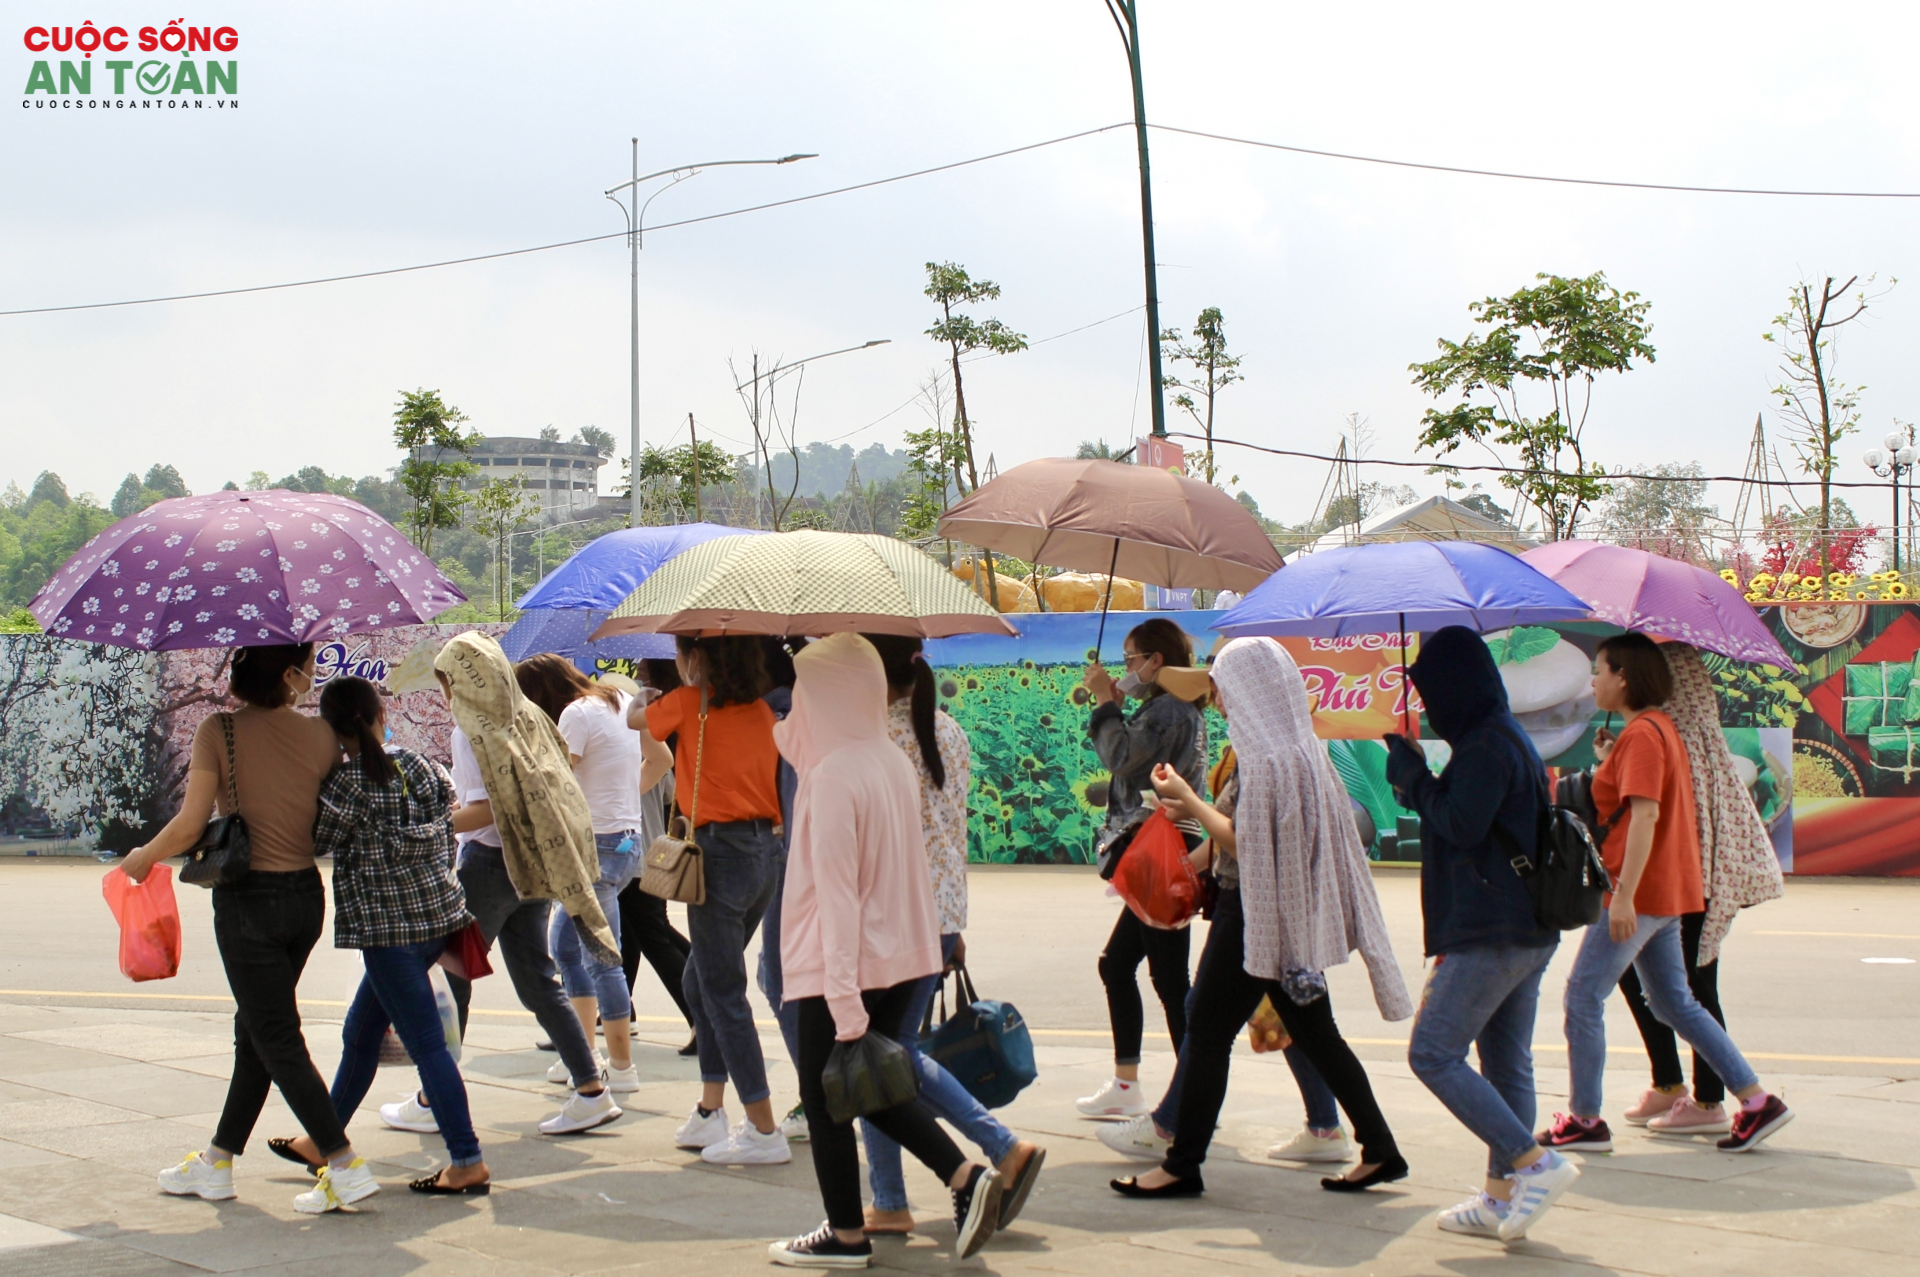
386 817
1738 868
1652 851
607 761
646 930
725 780
1488 951
1304 903
860 933
265 763
1167 731
942 762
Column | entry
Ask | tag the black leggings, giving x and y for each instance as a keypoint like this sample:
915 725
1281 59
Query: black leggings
836 1149
1165 953
1224 996
647 932
1662 1048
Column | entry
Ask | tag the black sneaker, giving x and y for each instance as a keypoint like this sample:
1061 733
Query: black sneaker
821 1249
1752 1126
976 1211
1570 1134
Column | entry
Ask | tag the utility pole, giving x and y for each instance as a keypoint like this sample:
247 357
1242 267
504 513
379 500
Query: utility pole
695 440
1126 17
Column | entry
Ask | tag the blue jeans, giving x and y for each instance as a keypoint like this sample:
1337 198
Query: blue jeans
1323 1113
771 979
395 990
1484 997
1653 951
583 975
941 1092
742 861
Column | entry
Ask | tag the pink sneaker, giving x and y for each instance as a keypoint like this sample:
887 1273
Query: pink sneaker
1655 1103
1687 1117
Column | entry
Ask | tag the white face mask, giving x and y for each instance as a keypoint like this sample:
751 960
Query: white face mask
1129 684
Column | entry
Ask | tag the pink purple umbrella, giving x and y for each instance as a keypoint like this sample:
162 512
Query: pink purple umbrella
1655 595
240 569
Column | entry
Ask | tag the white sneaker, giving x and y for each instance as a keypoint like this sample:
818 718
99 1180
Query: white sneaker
557 1071
698 1132
1309 1146
1478 1216
581 1113
622 1081
410 1115
337 1186
1115 1099
794 1125
197 1177
1534 1190
746 1146
1137 1137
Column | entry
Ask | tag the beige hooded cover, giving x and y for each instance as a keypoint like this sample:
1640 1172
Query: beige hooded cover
546 832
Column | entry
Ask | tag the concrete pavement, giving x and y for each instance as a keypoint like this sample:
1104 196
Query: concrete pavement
103 1082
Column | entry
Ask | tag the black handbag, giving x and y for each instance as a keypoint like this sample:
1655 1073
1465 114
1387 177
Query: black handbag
224 854
1565 877
868 1075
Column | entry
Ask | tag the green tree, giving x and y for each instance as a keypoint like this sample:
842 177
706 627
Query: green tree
1820 409
428 429
932 455
166 481
502 507
39 533
128 499
1667 513
688 468
550 434
259 481
600 440
1093 450
949 285
48 487
1214 368
1554 338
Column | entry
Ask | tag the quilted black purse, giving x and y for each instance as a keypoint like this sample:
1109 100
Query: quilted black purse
224 854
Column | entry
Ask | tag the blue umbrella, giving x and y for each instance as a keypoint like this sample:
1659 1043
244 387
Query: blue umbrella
1409 585
570 603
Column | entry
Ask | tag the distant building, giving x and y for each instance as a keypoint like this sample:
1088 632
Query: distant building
1434 519
564 476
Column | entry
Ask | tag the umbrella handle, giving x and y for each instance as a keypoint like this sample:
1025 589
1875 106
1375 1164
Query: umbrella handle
1106 602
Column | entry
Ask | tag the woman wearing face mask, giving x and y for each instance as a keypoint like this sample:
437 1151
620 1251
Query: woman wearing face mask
1164 730
268 922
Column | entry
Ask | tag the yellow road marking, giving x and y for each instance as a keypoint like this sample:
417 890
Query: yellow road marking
1842 935
1049 1033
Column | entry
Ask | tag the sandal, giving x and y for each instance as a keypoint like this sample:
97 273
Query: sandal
432 1184
284 1148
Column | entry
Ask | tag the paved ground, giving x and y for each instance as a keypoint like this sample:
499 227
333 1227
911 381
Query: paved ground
103 1082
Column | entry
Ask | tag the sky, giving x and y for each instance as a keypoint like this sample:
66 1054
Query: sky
375 136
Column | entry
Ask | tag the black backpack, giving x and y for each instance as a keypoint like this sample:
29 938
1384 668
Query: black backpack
1565 876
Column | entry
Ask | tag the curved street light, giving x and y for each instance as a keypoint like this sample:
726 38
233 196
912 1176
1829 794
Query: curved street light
635 215
1894 460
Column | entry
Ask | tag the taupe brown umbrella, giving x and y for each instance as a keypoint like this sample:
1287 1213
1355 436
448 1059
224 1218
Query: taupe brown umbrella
1138 522
803 582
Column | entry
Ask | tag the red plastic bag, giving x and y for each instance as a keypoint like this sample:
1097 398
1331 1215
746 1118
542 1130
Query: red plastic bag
466 953
149 923
1155 877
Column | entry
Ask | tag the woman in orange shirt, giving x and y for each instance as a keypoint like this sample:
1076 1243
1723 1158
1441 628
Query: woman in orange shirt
725 772
1643 792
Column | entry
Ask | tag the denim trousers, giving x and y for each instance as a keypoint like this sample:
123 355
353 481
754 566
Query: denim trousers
769 975
521 927
1662 1053
1653 951
941 1092
1486 998
1323 1112
742 863
395 990
583 975
265 926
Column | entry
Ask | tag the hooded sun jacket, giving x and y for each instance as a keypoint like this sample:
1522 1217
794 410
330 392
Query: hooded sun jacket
1470 897
858 910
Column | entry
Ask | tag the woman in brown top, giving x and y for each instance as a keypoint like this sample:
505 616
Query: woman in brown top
268 923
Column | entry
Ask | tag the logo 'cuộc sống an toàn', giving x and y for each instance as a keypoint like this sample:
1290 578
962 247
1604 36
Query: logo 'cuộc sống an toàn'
129 81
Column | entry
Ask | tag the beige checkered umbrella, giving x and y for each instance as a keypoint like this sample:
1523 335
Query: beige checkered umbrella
804 583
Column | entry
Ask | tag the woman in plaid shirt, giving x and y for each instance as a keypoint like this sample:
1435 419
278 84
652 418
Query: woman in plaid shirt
386 817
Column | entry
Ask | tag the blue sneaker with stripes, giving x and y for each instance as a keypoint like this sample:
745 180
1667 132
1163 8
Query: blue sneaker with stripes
1534 1190
1478 1216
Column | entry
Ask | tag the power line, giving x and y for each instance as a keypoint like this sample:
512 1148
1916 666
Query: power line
1538 177
567 243
1535 472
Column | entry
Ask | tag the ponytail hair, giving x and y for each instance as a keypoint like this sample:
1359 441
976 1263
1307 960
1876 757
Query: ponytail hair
906 667
351 706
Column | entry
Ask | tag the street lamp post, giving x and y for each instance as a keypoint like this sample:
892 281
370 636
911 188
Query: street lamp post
1126 16
768 378
635 213
1895 459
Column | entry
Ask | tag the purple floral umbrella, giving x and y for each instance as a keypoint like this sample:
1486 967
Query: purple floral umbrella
240 569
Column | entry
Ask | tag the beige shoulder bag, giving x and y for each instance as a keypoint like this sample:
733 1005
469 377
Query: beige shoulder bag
674 870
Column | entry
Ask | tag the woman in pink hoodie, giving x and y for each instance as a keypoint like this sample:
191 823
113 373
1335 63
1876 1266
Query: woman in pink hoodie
858 930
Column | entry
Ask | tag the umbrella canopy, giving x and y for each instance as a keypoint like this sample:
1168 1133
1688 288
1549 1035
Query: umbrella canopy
1411 586
804 583
1138 522
239 569
1638 590
561 613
